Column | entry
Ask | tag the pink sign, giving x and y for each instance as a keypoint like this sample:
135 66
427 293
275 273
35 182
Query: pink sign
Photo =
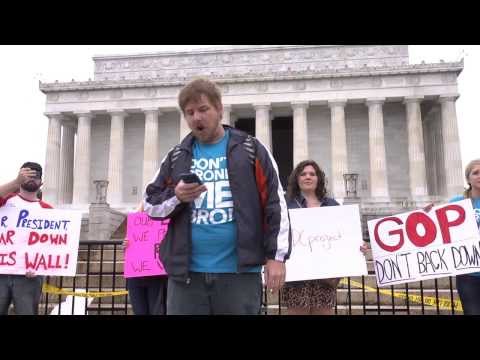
144 238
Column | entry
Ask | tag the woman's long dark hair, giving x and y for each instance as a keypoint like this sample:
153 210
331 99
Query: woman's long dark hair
293 189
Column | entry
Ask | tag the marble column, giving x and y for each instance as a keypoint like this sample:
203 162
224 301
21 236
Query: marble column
416 150
300 132
52 159
184 129
451 145
81 171
377 154
115 159
263 124
226 119
150 148
65 193
339 147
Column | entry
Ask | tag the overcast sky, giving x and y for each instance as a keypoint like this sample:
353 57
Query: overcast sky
24 127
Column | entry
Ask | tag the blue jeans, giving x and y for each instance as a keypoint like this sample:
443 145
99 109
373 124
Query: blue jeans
24 292
147 294
215 294
468 287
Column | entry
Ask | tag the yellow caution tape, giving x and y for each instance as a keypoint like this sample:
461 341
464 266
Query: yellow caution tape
50 289
444 304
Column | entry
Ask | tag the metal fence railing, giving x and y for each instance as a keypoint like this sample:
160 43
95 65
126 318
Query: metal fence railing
357 297
100 276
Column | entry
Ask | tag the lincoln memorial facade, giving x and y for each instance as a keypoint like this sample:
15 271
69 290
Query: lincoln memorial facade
354 109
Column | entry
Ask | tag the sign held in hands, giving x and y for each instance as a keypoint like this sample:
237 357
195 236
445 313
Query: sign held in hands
144 237
417 246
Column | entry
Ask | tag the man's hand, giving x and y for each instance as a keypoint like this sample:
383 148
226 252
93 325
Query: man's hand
274 275
125 243
30 274
24 175
188 192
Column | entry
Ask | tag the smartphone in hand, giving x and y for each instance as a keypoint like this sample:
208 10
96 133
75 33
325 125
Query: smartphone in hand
190 178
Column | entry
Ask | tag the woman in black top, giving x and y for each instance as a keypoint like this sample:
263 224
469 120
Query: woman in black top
307 188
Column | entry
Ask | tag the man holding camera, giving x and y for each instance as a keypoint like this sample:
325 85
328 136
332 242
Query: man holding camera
228 217
23 290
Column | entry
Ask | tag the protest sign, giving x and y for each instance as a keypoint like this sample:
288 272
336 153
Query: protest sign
325 243
144 238
44 241
416 246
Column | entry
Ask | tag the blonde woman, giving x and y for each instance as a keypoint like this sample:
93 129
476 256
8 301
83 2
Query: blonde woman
468 285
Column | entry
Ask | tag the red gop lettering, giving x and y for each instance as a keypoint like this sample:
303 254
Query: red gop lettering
411 228
420 218
445 224
398 232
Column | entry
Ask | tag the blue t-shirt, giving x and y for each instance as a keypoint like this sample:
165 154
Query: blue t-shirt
476 209
214 229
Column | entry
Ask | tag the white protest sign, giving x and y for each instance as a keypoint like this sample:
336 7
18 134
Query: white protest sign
418 246
44 241
325 243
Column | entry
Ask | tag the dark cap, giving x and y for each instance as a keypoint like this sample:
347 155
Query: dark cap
33 166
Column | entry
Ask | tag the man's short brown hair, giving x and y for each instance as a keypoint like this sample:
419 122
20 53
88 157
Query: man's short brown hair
195 89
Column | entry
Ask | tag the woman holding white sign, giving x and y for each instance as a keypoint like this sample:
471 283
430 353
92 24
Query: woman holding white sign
307 188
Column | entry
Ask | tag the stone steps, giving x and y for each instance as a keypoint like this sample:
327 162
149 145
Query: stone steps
96 266
110 252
